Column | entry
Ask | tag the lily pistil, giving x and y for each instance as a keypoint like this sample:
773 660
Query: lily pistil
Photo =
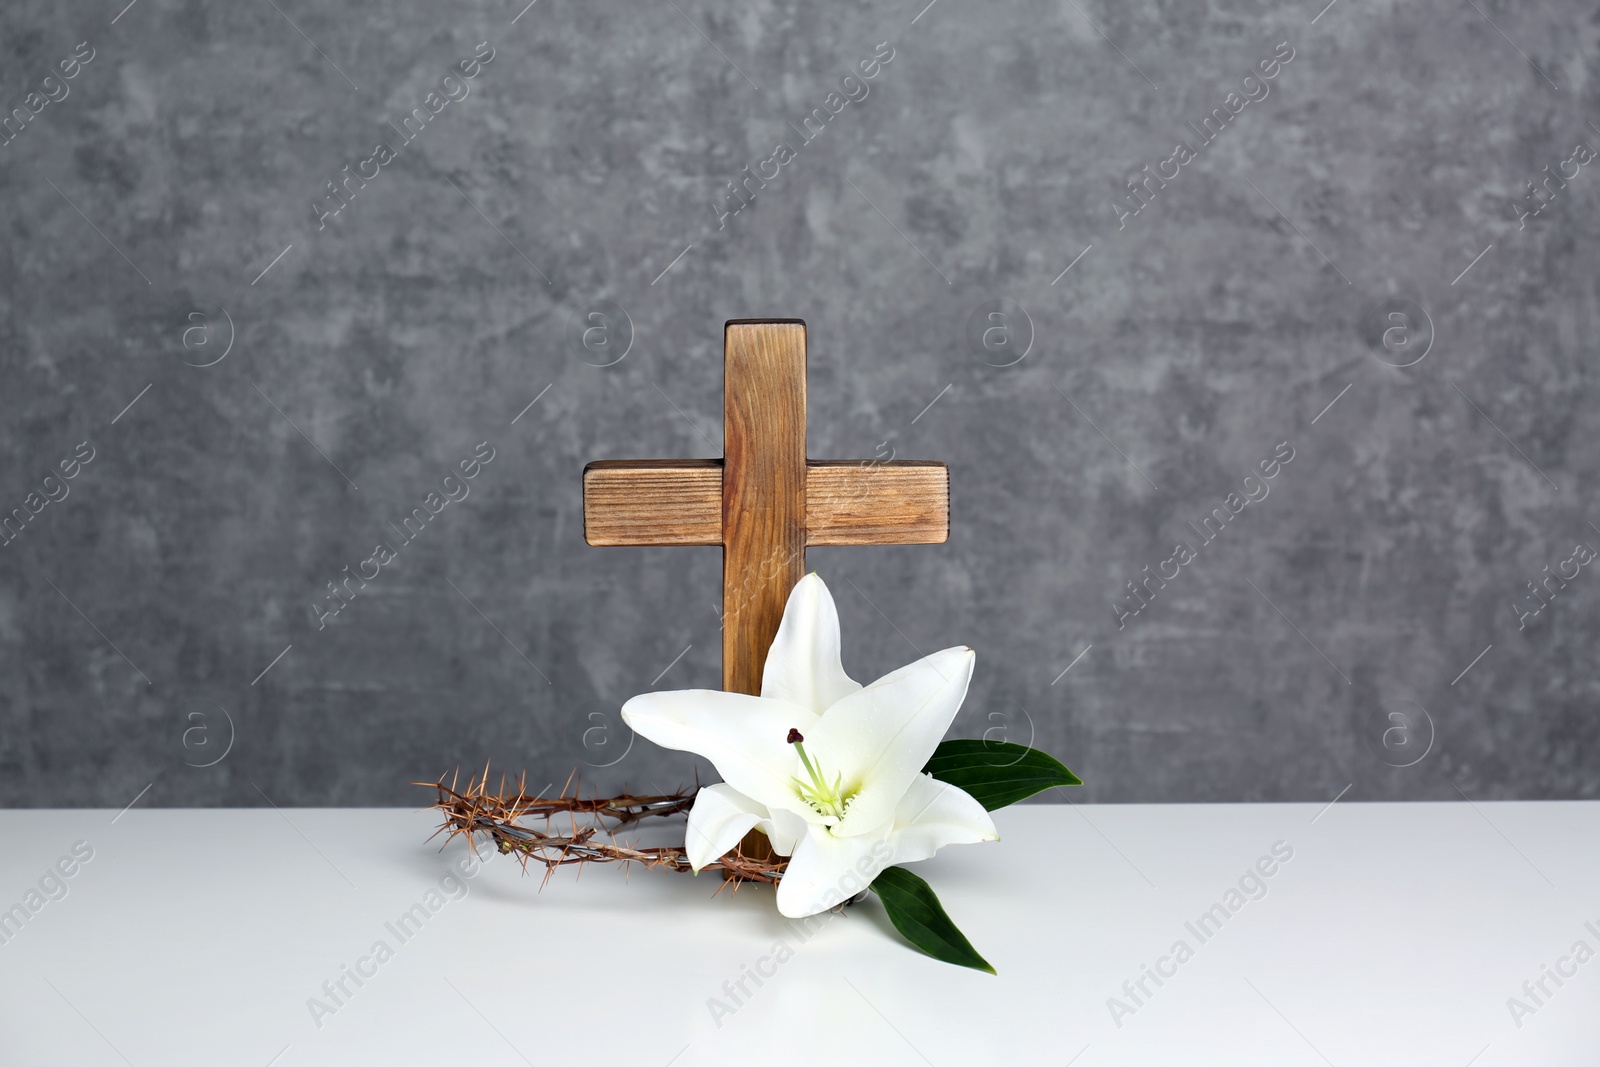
828 800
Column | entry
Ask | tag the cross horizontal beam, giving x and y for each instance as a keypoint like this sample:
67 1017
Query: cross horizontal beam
679 502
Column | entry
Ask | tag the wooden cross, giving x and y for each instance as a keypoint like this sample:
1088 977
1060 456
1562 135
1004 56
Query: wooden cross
763 502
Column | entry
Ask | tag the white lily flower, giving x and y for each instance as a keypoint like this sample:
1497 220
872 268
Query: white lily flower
829 770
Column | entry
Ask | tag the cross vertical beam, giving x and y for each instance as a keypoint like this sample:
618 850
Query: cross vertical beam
763 489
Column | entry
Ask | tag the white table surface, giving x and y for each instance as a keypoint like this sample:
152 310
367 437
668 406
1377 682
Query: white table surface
1394 935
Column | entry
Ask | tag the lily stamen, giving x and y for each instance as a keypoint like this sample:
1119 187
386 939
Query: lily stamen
826 799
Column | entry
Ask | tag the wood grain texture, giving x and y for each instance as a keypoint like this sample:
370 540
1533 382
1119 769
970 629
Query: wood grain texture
848 502
763 489
653 502
862 503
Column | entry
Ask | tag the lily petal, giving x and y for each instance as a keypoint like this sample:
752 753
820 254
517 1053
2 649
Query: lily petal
720 817
826 870
880 737
784 830
803 664
934 814
744 737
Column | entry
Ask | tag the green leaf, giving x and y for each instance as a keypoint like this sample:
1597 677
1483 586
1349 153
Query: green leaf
997 773
917 914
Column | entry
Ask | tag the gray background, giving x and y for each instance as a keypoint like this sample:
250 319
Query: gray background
1177 352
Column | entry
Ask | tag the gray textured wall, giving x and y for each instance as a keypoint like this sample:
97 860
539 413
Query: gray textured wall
163 208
